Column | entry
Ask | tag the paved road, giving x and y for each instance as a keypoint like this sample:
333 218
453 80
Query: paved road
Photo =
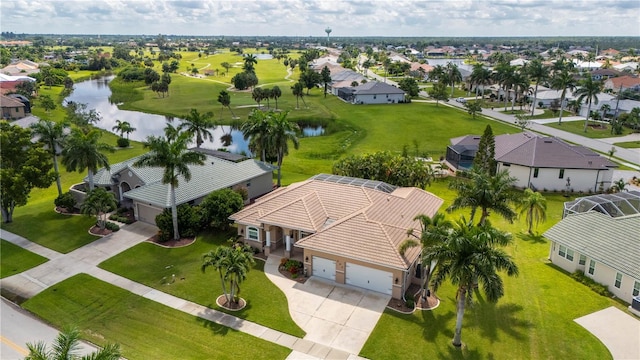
18 327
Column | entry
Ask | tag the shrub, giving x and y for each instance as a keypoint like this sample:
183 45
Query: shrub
410 303
65 201
112 226
123 142
188 222
283 261
597 287
218 206
293 266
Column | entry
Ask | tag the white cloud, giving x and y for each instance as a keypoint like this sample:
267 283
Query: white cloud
310 17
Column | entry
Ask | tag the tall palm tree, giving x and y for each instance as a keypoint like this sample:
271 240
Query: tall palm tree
170 152
276 93
66 345
588 92
563 80
281 132
453 75
123 127
538 72
469 256
257 128
250 61
83 151
298 92
434 230
487 193
98 203
52 134
605 108
224 98
480 76
503 74
520 84
198 124
534 206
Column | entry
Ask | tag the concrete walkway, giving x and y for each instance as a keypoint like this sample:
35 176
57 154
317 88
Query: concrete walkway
85 260
618 331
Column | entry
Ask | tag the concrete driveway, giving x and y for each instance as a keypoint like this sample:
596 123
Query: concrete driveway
618 331
338 316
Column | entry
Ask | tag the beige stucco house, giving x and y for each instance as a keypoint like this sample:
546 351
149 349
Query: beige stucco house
344 229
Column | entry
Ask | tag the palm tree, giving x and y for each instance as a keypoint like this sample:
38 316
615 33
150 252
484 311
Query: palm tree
468 255
520 83
503 74
453 75
281 132
588 92
52 134
563 80
98 203
480 76
538 72
83 151
198 124
257 129
298 92
434 230
258 95
486 192
534 206
275 94
224 98
233 264
123 127
65 346
249 61
605 108
170 152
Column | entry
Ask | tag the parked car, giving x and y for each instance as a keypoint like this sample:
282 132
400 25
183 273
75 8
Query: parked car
461 100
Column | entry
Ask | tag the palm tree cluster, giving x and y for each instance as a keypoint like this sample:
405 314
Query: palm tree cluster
269 134
232 264
66 346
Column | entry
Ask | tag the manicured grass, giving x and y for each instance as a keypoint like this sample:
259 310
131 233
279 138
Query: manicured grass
629 144
143 328
548 114
14 259
155 266
534 320
597 131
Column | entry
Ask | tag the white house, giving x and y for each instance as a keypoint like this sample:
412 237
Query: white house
373 92
605 248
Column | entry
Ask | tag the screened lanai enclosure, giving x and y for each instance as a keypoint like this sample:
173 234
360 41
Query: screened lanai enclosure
619 204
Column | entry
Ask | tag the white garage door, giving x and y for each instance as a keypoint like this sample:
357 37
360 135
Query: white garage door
324 268
148 213
368 278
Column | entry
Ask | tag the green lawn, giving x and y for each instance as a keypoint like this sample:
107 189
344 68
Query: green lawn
534 320
629 144
594 132
143 328
267 305
14 259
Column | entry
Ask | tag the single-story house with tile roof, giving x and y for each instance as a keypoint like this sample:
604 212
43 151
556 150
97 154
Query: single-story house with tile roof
12 108
622 83
605 248
538 162
372 92
627 66
143 185
344 229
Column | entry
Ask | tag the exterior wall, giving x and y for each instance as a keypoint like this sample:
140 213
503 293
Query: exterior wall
548 178
341 267
566 265
78 194
259 186
378 99
13 112
130 178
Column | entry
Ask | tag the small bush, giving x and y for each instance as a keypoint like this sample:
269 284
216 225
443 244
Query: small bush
188 222
65 201
597 287
283 261
411 303
123 142
112 226
218 206
293 266
122 210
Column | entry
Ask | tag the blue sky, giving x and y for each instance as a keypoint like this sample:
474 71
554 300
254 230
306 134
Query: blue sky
311 17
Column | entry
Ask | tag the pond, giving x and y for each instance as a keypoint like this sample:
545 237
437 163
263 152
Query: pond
96 92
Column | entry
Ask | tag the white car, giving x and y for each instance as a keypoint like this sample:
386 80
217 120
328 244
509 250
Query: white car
461 100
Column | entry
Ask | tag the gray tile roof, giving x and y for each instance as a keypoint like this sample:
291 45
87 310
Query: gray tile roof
614 242
215 174
376 87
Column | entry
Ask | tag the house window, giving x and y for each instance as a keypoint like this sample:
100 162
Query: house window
569 254
563 251
535 172
253 233
618 280
506 164
592 267
636 288
583 260
374 96
561 176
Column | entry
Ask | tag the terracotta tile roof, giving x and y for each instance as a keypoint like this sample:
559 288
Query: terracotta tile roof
624 81
348 220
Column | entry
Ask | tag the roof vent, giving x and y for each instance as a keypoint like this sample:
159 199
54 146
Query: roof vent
548 141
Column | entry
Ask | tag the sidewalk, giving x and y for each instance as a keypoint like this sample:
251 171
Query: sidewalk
85 260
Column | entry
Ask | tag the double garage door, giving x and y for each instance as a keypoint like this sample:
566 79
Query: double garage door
356 275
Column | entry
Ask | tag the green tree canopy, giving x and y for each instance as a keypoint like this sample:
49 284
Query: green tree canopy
485 160
388 167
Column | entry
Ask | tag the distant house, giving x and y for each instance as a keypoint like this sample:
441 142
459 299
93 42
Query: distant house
373 92
604 74
622 83
9 83
345 230
605 248
12 108
627 66
538 162
22 67
149 196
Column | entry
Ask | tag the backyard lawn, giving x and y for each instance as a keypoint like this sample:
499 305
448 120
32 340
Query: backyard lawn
143 328
155 266
14 259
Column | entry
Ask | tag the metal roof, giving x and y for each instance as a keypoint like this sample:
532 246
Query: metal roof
613 241
371 184
615 205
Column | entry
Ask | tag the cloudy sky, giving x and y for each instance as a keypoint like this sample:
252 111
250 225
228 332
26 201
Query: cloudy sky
311 17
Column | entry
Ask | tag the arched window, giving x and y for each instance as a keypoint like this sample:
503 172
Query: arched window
253 233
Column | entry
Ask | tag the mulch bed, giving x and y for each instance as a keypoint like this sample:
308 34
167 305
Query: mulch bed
415 290
300 279
95 230
171 243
